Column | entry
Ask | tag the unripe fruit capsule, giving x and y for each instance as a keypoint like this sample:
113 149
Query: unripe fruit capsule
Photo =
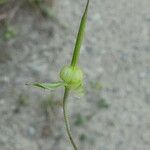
72 76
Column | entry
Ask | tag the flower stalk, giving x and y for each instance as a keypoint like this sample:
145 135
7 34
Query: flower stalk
71 76
66 94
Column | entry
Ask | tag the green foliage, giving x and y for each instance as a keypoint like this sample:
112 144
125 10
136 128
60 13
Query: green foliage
102 104
80 120
49 86
3 2
37 2
47 11
22 99
72 76
82 137
10 32
44 8
80 37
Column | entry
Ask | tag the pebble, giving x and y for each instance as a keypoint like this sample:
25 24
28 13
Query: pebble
31 131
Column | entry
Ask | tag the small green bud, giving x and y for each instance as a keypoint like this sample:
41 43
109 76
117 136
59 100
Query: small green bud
72 76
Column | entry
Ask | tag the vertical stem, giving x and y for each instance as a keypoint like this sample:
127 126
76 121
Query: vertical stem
80 37
66 94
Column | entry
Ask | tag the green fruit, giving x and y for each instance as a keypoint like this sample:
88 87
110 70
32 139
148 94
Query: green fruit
72 76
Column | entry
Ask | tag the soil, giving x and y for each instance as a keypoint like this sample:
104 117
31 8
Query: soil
114 113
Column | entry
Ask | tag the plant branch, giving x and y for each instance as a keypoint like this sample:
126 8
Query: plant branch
66 94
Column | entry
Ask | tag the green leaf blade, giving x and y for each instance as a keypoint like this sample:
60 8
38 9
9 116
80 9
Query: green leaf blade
49 86
80 36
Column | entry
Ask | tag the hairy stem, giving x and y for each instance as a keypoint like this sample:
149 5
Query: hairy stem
66 94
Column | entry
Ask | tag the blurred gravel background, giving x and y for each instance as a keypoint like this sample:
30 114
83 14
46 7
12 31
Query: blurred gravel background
114 114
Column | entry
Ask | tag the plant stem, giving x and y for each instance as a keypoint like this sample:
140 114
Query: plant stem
80 37
66 94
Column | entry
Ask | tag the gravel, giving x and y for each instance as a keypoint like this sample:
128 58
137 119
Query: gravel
115 58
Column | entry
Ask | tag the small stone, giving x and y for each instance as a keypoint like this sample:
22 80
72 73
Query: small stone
31 131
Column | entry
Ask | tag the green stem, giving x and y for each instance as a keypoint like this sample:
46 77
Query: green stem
80 37
66 94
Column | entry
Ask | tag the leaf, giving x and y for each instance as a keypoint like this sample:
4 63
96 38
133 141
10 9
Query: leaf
3 2
80 36
79 91
10 32
49 86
